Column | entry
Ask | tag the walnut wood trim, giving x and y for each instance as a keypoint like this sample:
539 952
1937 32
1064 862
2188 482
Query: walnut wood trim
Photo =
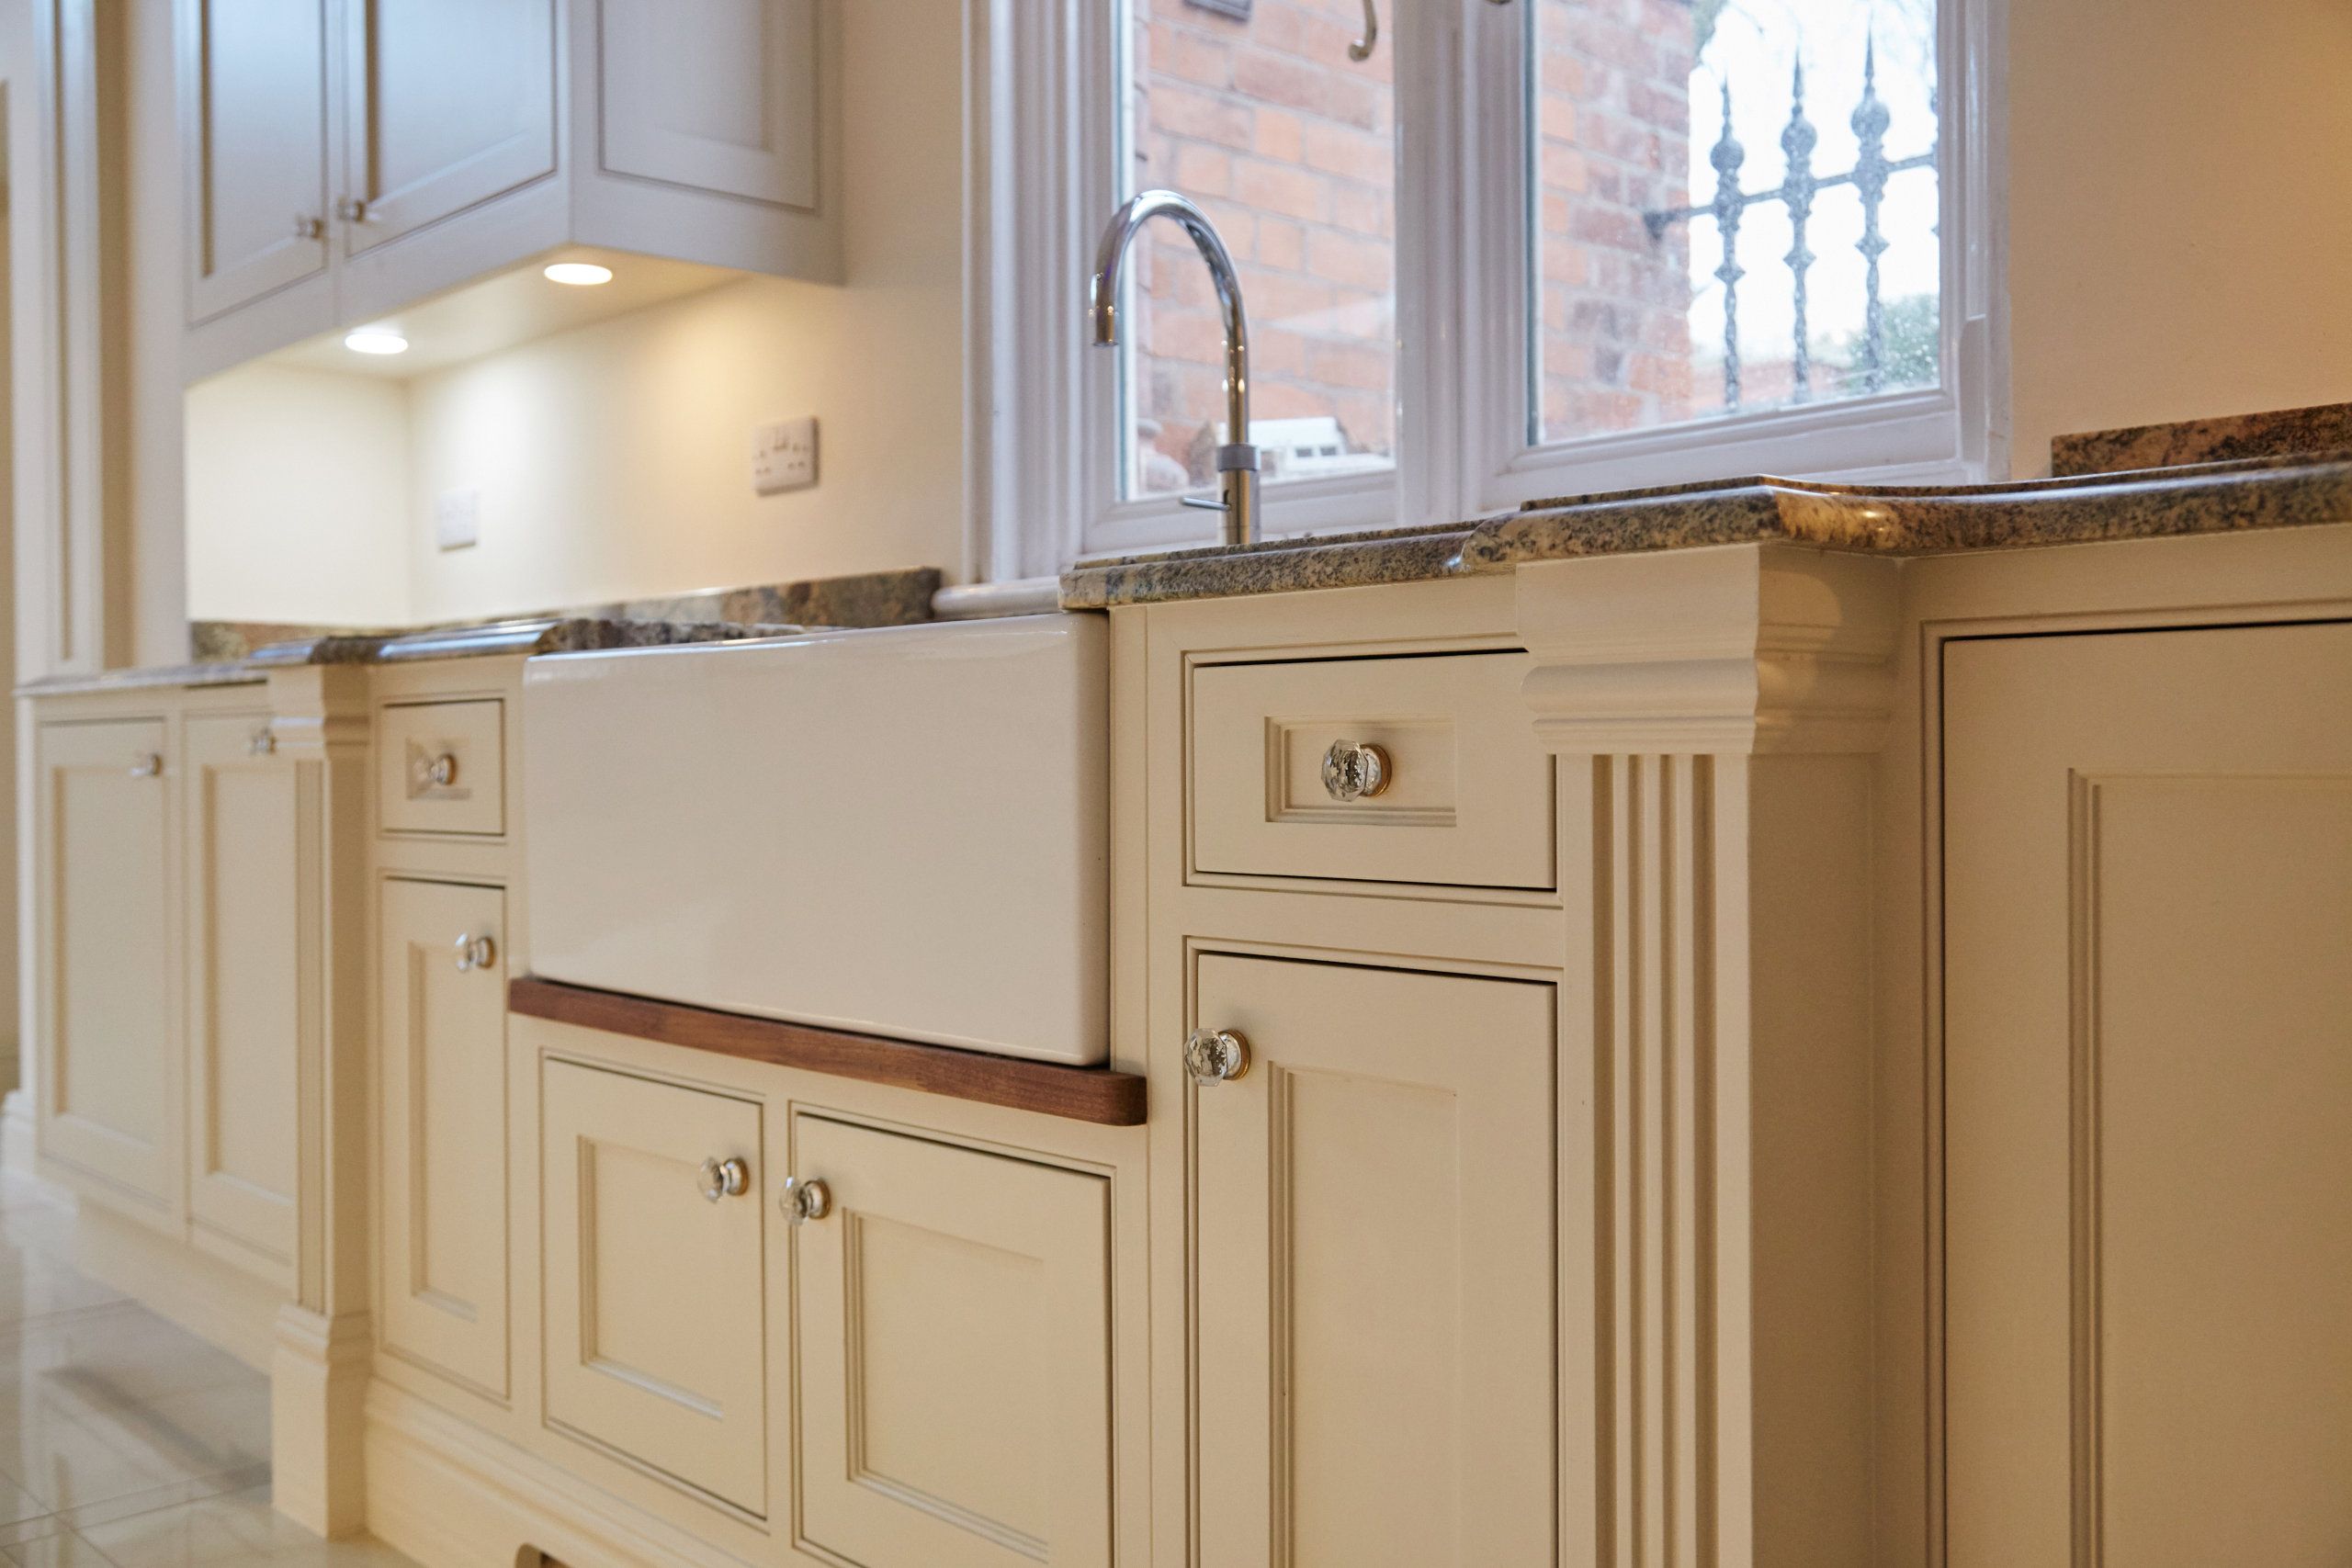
1082 1094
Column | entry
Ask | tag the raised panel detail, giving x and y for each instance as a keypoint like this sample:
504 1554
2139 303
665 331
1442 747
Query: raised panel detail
451 102
1466 793
440 767
2147 900
441 1093
1373 1268
952 1331
655 1331
110 1080
246 945
728 104
2209 1185
253 116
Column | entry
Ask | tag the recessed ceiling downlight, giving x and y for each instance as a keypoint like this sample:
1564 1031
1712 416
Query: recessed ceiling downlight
375 339
580 275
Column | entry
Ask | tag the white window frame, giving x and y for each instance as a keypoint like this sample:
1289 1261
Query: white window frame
1043 139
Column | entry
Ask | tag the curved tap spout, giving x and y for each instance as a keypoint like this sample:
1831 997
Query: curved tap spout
1237 461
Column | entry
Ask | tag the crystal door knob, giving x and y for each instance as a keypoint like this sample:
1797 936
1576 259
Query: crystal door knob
1216 1055
442 771
475 953
146 765
1353 771
262 742
804 1197
718 1179
307 226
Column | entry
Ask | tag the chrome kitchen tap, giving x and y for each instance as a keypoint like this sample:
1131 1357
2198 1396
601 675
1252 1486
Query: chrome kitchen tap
1237 460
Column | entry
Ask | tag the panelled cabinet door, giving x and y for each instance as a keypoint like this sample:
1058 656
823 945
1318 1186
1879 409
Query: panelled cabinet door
246 942
2148 1099
656 1325
450 103
1373 1269
109 1083
727 104
254 130
952 1334
441 1094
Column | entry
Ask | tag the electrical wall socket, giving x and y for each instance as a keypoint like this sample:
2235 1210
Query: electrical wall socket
456 519
784 456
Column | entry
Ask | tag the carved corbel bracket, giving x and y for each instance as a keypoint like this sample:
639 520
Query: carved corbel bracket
1733 650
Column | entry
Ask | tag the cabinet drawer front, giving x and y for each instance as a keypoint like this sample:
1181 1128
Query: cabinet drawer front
441 767
952 1328
1465 797
655 1334
441 1090
1374 1265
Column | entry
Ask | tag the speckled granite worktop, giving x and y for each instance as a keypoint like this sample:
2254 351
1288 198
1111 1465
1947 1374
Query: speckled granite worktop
571 634
234 652
2203 498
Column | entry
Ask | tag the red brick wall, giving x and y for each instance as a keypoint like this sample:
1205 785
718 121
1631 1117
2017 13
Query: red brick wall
1289 145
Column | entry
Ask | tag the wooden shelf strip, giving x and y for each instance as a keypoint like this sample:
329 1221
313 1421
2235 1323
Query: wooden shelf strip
1082 1094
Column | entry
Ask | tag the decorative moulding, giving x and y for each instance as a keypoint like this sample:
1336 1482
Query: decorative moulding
1736 649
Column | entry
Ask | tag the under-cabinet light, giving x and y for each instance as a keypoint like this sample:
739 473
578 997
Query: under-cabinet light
580 275
375 339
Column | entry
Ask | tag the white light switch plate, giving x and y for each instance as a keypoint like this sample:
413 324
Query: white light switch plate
456 519
784 456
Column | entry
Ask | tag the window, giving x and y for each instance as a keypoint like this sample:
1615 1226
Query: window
1260 114
1515 248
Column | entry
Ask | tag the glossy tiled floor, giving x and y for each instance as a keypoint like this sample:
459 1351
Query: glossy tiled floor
125 1442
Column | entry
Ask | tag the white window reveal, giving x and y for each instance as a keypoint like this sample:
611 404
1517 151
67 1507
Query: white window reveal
1491 250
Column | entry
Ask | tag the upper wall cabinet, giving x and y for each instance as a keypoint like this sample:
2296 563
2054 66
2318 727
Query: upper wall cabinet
347 159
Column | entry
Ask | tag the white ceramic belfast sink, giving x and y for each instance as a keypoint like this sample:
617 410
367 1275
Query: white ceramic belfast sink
900 831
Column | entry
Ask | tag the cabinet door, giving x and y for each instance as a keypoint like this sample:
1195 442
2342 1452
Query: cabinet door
729 104
451 103
254 135
109 1080
1373 1269
952 1334
245 943
656 1337
2148 1098
441 1094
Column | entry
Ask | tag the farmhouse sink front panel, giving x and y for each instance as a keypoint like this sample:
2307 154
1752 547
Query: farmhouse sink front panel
898 831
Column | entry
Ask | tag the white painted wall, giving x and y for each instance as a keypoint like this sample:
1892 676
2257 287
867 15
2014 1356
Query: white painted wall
297 498
2179 240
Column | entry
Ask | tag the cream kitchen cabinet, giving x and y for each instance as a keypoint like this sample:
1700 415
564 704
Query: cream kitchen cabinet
951 1341
1371 1197
656 1308
2148 1113
244 926
254 84
448 104
345 159
108 875
441 1128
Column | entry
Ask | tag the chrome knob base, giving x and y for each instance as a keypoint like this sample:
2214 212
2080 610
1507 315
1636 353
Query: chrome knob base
1355 771
716 1178
1216 1055
804 1197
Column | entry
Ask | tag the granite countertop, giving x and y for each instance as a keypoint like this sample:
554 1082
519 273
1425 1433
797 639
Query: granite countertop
569 633
2277 491
232 653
